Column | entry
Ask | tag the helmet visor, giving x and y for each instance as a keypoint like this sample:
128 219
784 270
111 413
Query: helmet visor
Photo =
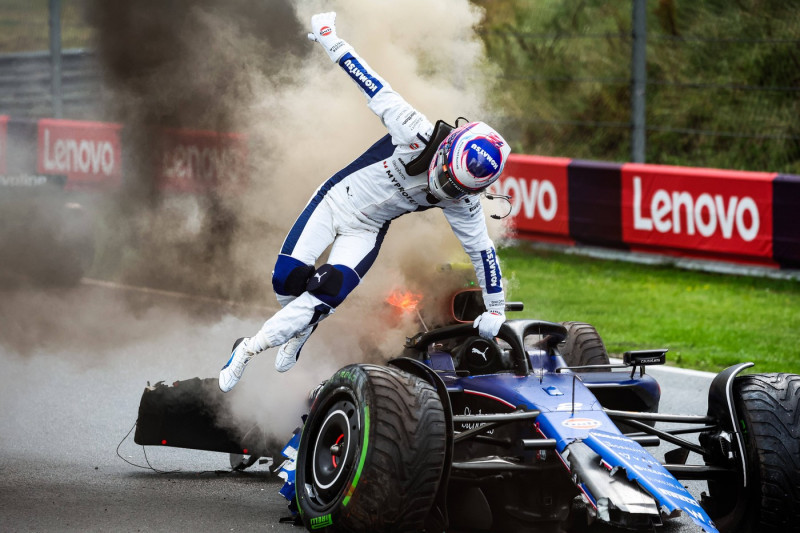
442 180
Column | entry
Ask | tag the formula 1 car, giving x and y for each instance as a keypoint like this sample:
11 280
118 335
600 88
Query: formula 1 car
535 430
532 431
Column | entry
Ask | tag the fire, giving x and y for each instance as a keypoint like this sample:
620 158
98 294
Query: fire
407 301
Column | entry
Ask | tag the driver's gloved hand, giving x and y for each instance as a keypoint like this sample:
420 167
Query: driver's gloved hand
323 31
489 323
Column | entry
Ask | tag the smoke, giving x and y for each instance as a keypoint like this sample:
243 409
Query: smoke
245 66
198 65
436 63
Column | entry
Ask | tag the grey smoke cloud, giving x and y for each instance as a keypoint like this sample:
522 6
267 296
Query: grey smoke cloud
246 66
437 64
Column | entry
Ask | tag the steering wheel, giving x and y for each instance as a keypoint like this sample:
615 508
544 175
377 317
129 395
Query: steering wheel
478 356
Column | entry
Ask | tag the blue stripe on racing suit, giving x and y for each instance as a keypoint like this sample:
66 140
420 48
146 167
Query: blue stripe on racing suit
368 83
377 152
365 264
491 271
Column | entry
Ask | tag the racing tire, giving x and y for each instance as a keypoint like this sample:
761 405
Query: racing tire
768 411
583 346
372 452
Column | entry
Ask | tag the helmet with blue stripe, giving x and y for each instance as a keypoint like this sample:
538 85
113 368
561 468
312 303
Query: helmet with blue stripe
470 159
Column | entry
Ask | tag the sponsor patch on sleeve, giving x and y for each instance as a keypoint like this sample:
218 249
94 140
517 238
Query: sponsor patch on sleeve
491 270
368 83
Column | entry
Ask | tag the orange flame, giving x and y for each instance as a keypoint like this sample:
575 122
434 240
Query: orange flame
407 301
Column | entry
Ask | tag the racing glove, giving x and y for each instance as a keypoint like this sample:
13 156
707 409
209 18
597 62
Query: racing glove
323 31
489 323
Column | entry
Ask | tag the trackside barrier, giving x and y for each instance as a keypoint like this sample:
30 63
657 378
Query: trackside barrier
91 155
747 217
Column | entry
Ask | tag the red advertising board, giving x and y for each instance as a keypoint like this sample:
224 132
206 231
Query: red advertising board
192 160
698 209
3 142
538 189
88 153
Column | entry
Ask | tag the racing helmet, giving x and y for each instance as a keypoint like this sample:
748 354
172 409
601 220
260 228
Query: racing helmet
470 159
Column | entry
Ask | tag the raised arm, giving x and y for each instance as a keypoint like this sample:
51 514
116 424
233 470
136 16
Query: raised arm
400 118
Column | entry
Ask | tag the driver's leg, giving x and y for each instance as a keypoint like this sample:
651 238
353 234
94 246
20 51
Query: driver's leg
352 254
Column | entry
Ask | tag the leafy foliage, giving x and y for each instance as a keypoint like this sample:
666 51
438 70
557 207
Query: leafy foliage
723 80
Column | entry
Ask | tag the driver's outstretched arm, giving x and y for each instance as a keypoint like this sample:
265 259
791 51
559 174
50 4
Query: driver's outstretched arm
401 119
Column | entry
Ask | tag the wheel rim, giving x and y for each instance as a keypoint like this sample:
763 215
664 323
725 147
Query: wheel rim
333 453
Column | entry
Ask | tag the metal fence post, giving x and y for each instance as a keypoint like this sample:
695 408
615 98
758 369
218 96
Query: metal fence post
638 81
55 58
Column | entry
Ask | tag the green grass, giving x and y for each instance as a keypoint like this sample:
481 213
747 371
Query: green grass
708 321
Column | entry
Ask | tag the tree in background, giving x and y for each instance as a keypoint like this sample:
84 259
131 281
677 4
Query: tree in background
723 80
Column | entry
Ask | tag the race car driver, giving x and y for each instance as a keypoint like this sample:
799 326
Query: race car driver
417 166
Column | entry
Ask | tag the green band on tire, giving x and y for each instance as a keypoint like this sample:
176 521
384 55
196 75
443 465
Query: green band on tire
361 460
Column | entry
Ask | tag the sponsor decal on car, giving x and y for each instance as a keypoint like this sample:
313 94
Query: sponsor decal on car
581 423
319 522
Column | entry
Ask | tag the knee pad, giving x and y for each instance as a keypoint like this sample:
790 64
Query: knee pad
332 283
290 276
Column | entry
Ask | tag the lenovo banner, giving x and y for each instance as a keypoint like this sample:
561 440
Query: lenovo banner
697 209
193 161
3 143
538 190
87 153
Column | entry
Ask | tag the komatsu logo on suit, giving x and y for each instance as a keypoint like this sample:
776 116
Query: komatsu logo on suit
491 271
360 75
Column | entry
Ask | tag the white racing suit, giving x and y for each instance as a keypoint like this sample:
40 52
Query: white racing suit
352 212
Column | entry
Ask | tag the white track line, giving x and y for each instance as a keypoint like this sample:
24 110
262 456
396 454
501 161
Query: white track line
171 294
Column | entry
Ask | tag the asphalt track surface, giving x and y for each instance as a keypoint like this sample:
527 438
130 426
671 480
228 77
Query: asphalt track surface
74 365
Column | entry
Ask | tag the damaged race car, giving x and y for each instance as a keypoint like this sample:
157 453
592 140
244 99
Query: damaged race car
535 431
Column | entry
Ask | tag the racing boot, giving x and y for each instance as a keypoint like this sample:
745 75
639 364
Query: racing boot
290 350
232 372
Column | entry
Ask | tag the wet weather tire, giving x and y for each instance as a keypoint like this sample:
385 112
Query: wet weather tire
372 452
583 345
768 407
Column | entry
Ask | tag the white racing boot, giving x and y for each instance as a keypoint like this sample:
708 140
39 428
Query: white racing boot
232 372
289 350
